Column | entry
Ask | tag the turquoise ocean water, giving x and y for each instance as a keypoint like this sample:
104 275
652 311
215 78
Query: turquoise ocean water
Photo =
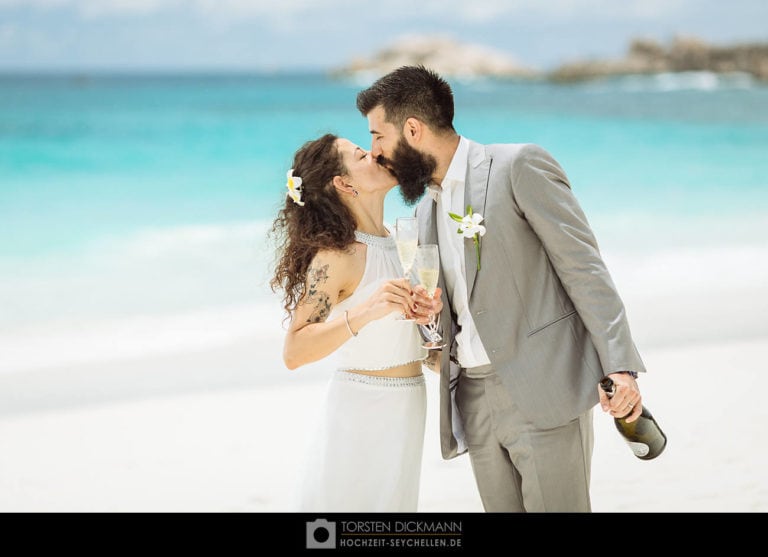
81 158
126 195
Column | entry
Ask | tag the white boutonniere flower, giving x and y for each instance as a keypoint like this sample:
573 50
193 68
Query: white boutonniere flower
294 188
470 227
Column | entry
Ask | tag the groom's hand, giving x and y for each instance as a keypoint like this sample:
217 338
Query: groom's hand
424 306
626 401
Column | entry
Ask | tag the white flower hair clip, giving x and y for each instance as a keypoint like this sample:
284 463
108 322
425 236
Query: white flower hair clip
294 188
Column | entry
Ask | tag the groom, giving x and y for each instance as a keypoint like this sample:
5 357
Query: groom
534 320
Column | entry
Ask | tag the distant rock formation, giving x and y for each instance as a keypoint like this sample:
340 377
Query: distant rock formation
684 54
445 55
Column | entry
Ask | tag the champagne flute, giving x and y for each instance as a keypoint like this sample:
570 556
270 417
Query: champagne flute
406 239
428 270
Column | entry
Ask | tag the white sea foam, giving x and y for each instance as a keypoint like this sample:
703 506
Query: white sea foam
676 81
106 340
150 271
154 291
187 288
152 243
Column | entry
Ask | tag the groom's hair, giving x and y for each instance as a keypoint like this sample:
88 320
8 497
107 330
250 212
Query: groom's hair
411 91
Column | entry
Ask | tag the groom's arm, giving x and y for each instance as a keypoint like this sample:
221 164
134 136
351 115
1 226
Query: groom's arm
544 198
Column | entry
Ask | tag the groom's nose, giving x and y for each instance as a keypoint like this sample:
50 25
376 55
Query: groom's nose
375 150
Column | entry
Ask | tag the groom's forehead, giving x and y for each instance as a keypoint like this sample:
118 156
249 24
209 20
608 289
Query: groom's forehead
377 120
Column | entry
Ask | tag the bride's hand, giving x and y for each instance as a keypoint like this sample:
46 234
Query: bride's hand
425 307
393 295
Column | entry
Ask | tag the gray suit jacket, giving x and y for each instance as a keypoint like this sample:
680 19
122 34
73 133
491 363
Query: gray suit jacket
544 305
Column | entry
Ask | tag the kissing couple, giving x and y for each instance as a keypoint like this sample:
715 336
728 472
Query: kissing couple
530 318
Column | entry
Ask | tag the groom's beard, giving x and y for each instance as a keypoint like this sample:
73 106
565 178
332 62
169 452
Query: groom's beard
412 168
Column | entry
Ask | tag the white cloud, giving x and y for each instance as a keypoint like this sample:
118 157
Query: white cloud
488 10
478 11
231 8
261 8
91 8
98 8
34 3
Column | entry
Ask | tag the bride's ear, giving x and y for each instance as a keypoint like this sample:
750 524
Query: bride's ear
342 187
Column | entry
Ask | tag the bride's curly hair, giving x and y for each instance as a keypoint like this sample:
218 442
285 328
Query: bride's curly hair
323 222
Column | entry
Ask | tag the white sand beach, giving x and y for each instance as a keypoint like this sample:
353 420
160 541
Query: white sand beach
238 449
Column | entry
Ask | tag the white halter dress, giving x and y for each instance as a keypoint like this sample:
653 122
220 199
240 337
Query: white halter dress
366 453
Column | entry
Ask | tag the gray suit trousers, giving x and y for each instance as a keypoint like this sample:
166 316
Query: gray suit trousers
519 467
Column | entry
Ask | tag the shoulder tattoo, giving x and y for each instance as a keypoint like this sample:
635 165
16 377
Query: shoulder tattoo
318 276
322 308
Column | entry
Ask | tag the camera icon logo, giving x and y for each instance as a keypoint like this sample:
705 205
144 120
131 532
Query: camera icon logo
321 534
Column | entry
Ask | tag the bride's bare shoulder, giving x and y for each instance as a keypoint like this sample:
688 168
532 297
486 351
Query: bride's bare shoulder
343 267
347 258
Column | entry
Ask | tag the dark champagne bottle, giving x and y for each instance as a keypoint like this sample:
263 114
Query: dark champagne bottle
644 435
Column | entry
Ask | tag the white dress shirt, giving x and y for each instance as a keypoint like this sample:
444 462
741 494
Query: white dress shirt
470 350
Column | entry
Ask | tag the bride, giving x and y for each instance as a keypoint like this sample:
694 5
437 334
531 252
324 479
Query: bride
342 286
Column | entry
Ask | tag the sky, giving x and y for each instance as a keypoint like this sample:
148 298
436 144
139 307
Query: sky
289 35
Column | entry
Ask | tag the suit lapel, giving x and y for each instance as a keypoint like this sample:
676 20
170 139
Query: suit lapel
475 194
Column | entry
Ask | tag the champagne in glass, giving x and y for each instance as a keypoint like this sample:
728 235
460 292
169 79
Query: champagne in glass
428 279
428 270
406 238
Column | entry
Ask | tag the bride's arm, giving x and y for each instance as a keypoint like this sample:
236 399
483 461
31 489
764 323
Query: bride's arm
311 336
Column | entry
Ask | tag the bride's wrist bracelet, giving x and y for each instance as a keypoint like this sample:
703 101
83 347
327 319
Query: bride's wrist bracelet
346 320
